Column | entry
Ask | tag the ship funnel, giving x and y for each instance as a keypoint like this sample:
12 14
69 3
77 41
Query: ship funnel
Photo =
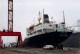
46 18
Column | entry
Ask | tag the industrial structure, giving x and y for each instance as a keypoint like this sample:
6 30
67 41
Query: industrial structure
10 15
10 31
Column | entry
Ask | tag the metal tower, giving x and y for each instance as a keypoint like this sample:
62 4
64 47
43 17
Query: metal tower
10 26
10 15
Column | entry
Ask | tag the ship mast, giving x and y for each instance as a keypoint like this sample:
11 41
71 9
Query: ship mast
43 15
63 18
39 17
43 19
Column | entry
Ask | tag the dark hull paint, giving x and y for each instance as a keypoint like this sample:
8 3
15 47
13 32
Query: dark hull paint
52 38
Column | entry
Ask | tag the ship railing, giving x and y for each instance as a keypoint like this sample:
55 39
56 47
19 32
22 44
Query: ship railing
61 29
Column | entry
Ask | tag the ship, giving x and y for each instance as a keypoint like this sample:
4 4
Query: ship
46 32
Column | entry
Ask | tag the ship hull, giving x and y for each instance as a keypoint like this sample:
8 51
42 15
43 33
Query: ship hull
73 40
52 38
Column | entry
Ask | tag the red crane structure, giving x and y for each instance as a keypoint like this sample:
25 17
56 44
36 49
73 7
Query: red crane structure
10 32
10 15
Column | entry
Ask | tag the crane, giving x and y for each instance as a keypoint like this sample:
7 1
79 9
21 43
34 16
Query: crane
10 31
10 15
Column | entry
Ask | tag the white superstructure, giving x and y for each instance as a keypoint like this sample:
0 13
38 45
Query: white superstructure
46 27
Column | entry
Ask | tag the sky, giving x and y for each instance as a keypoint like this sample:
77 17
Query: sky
26 12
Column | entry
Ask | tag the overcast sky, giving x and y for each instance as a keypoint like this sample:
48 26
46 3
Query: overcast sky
25 11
